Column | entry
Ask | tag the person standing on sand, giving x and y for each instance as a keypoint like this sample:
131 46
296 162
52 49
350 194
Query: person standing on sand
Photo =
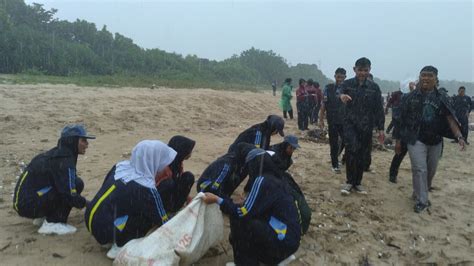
285 102
363 111
274 87
302 105
397 158
462 105
426 116
333 106
49 187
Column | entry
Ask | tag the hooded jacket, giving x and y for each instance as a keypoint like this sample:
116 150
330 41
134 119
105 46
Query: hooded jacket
260 134
281 158
51 172
225 174
183 146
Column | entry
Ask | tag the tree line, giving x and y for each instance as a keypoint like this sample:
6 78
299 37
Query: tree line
32 40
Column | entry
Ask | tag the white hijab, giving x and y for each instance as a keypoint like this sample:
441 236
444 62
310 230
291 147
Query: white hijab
148 158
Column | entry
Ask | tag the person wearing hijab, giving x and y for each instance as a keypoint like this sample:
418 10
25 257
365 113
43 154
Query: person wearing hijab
260 134
49 187
266 227
224 175
128 204
175 191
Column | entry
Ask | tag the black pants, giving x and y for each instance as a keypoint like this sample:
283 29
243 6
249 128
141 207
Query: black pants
314 113
290 112
397 160
335 133
254 241
303 115
175 191
464 126
368 154
52 205
358 145
390 127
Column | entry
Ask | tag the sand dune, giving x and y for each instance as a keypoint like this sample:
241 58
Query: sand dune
379 228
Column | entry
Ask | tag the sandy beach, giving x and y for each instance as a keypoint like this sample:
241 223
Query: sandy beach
379 228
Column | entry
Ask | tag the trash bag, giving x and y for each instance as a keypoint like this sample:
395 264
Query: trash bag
181 241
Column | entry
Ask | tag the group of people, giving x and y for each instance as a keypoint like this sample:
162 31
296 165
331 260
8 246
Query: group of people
267 222
308 102
142 193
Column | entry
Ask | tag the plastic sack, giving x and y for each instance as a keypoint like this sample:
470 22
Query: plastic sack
183 240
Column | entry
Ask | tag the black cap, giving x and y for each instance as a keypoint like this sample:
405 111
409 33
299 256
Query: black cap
293 141
276 123
75 131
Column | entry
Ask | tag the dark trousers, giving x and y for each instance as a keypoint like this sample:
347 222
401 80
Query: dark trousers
368 154
390 127
314 113
358 145
175 191
290 112
52 205
397 160
254 241
464 127
335 133
303 115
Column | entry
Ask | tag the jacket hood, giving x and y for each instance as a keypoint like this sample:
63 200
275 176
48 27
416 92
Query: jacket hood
183 146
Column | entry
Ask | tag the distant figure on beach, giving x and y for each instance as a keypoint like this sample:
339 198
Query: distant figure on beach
49 186
426 116
285 102
128 204
363 112
463 107
302 105
274 87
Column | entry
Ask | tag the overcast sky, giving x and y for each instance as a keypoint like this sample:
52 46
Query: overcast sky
399 37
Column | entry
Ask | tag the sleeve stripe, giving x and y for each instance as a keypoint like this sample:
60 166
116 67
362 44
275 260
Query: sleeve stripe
253 193
258 138
222 175
159 205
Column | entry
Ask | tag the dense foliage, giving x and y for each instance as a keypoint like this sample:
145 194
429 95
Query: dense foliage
33 41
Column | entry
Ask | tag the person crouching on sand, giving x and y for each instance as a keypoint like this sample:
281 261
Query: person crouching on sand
128 204
49 187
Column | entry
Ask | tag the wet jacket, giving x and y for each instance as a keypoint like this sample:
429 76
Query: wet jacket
116 202
224 175
462 106
302 95
412 126
259 135
269 200
286 96
333 104
365 110
51 172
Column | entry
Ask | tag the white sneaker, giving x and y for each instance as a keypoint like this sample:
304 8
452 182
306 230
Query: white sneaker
230 263
113 252
346 189
287 260
39 221
56 228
